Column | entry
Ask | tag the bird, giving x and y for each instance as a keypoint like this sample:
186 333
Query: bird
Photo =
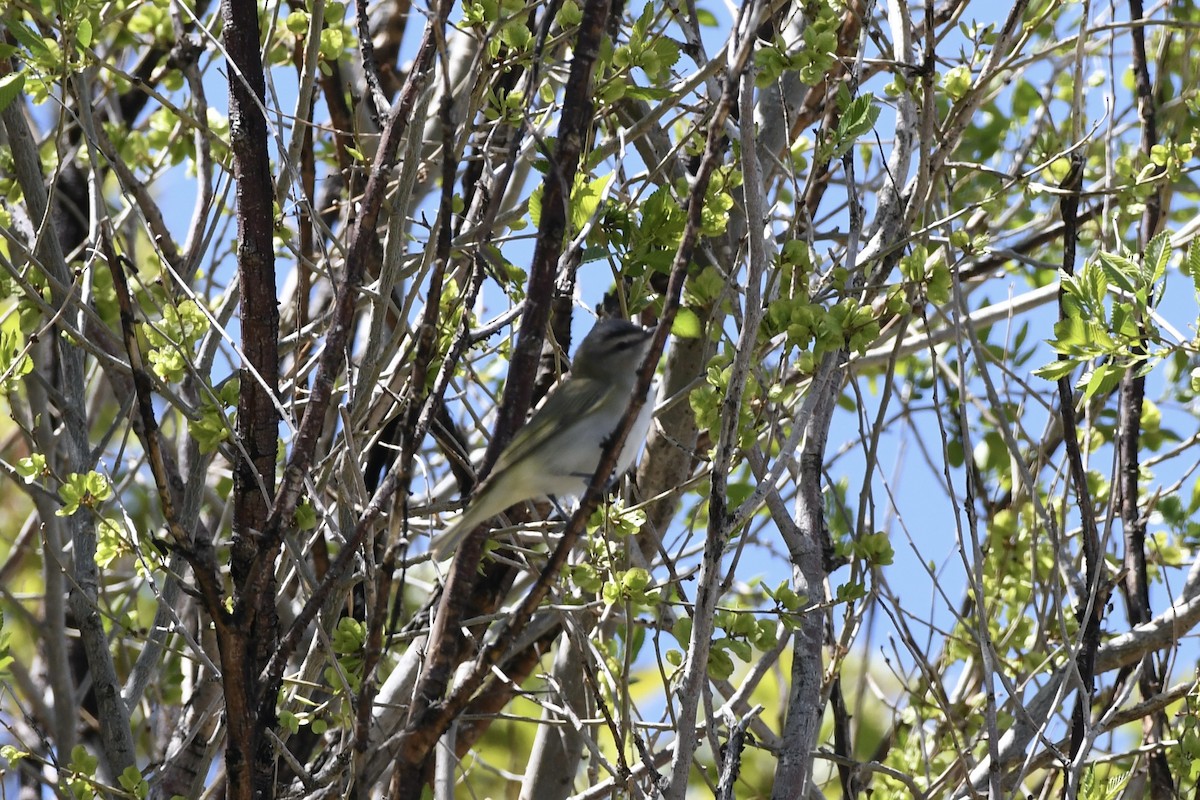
558 450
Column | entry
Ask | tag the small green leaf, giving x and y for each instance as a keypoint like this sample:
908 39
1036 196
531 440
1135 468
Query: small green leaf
97 486
682 631
740 648
586 577
643 23
1120 270
31 467
83 34
686 324
585 200
957 82
14 360
111 543
32 42
517 36
132 781
306 516
349 636
12 755
334 13
1154 260
1056 370
82 490
611 593
82 761
635 580
569 14
535 206
1103 379
856 121
720 665
1191 264
288 721
296 22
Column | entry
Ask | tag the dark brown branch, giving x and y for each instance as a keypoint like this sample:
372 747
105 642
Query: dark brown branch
1132 393
1092 602
250 641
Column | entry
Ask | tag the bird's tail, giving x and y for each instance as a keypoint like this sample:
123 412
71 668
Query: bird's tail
477 512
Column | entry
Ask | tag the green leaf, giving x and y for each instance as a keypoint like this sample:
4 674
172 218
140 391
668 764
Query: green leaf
642 26
132 781
1154 260
12 755
97 486
569 14
6 658
1103 379
1191 265
289 721
1056 370
111 542
586 578
686 324
30 40
635 580
682 631
349 636
10 88
306 516
1120 270
82 761
83 34
31 467
1086 338
787 597
957 82
720 665
14 360
1091 289
611 593
335 12
535 206
517 36
296 22
585 200
173 339
857 120
87 490
741 649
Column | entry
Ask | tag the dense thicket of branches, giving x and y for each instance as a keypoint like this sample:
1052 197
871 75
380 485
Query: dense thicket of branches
917 514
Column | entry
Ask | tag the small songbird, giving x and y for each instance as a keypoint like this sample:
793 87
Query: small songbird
558 450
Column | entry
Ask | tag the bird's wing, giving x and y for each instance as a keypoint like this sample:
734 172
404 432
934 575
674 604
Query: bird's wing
571 400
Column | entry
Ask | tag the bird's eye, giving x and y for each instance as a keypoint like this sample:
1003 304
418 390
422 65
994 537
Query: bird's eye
633 340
